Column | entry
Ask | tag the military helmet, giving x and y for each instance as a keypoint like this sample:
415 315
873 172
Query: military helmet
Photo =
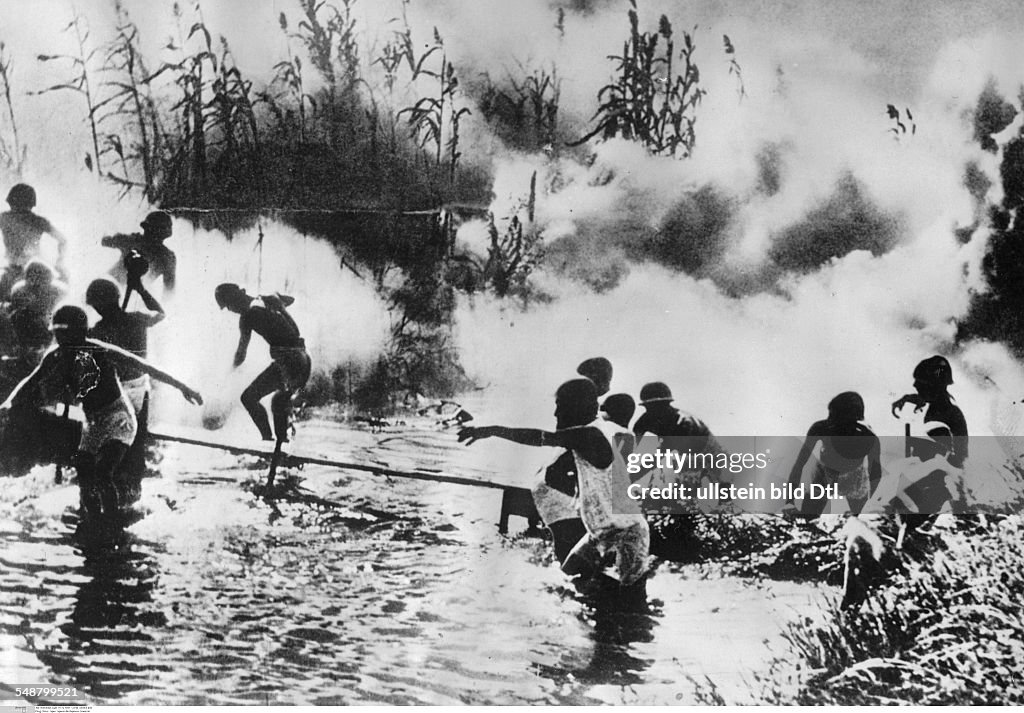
596 369
653 392
102 291
38 272
935 370
847 406
226 293
22 195
578 392
158 221
71 318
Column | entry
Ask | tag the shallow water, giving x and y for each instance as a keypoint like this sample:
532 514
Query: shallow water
355 589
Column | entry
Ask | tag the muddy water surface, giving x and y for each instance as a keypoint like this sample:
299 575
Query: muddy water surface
352 589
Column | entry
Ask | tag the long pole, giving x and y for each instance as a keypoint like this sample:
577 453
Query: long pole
435 476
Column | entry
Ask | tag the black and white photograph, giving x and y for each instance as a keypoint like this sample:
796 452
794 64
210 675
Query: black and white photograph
511 352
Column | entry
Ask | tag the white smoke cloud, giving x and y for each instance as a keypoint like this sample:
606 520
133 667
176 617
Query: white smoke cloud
817 79
769 363
341 316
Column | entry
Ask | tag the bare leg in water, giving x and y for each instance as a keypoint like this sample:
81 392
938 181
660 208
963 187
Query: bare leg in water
99 479
266 383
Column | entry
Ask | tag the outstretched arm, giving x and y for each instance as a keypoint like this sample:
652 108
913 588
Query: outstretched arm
62 250
28 389
156 314
801 459
588 442
171 271
120 241
62 240
119 354
243 343
523 436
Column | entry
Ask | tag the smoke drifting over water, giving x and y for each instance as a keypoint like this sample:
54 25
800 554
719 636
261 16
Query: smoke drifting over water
341 316
802 250
835 229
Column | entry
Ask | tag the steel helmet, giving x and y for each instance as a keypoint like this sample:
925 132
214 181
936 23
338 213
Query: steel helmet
157 221
934 370
71 318
619 407
102 291
597 369
38 272
22 195
653 392
847 406
227 293
578 392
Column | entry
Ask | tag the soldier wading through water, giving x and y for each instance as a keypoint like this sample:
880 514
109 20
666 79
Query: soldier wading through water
84 370
268 317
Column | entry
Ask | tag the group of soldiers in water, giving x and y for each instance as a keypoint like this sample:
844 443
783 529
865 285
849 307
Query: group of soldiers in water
103 368
575 494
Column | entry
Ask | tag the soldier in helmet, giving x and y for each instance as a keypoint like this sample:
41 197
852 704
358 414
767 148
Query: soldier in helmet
22 231
149 244
946 429
601 473
665 421
85 370
847 446
33 300
128 330
931 379
555 493
268 317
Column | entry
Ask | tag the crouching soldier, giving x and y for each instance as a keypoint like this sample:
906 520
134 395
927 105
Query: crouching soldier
267 315
600 469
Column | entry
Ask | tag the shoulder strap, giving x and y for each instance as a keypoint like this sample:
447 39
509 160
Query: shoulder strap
275 305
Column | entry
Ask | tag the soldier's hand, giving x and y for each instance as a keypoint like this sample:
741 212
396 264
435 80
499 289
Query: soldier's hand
192 396
472 434
898 404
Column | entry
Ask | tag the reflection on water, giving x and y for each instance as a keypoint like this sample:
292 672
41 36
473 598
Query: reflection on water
112 623
353 590
612 660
